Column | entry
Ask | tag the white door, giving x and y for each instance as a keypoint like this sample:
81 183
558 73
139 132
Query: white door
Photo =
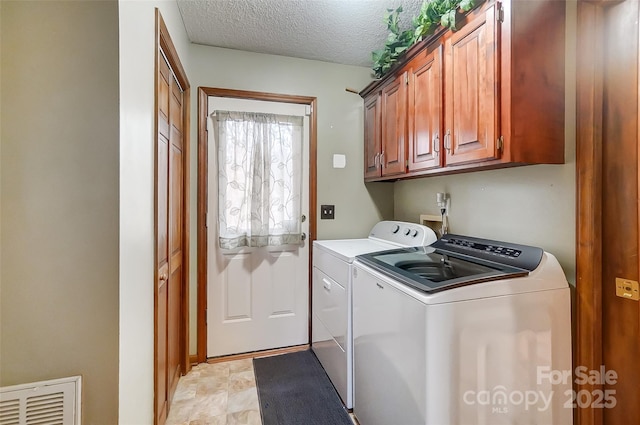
257 298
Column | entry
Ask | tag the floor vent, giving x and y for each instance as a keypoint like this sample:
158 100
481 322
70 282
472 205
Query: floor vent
55 402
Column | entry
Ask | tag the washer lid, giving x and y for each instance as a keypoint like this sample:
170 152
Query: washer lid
348 249
431 270
455 261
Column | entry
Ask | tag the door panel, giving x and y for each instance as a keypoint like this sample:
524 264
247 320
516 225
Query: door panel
372 139
176 196
162 231
264 302
471 91
238 284
173 332
283 284
394 126
466 92
161 349
257 298
620 135
162 200
425 111
176 207
608 174
281 287
170 339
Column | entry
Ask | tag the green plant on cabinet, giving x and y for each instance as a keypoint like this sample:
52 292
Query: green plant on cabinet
432 14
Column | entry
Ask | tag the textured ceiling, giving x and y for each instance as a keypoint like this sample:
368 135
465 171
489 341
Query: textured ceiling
340 31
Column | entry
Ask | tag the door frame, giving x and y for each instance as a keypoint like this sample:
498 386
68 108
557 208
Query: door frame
164 47
588 339
203 191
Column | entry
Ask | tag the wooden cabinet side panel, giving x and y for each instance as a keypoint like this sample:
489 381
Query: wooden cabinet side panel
533 80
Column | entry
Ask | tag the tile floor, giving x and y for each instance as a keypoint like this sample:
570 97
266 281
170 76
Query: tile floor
218 394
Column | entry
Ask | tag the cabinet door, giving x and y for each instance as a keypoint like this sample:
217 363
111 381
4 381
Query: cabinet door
372 136
394 126
425 110
471 90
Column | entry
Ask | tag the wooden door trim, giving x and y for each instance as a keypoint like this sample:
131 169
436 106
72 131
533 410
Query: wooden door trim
164 47
588 330
203 95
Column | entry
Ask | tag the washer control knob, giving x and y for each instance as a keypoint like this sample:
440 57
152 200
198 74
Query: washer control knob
406 232
395 229
415 233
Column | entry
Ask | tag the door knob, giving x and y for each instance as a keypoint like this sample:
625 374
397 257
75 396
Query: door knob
303 236
163 276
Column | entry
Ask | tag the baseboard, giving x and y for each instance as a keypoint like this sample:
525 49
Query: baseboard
255 354
193 360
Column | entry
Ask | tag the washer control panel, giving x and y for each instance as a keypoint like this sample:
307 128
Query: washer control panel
403 233
516 255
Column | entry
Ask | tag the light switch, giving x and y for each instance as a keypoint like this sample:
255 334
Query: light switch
339 160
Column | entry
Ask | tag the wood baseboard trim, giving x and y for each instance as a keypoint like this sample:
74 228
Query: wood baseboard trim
193 360
256 354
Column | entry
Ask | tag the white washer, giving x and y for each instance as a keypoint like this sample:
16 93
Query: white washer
465 331
332 319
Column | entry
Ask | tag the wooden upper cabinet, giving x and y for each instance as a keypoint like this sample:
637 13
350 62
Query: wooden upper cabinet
372 146
471 111
425 110
394 126
489 95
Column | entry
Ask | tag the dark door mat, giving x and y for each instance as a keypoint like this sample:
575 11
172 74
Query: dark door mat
293 389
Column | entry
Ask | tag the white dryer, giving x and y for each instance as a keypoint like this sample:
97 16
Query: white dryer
332 294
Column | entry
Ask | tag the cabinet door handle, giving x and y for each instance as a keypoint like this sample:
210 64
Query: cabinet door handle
376 160
382 164
447 141
436 144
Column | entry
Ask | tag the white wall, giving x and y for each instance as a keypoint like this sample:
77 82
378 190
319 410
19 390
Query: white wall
340 130
137 50
59 198
532 205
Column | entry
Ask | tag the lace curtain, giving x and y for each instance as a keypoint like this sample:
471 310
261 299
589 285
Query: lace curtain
260 178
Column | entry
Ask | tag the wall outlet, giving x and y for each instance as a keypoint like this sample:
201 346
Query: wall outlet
327 212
